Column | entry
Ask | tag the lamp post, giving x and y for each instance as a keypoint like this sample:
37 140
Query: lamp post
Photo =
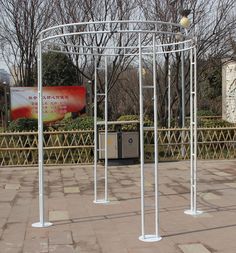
5 103
90 99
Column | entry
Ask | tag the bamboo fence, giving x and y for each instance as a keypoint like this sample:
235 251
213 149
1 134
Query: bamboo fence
76 147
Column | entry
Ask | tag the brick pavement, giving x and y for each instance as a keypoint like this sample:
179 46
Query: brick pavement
80 226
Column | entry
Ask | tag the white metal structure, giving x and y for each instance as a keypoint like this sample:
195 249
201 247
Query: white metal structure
145 43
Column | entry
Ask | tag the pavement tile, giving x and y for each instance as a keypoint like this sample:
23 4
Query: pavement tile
13 234
233 185
71 190
222 174
60 237
12 186
36 246
209 196
58 215
8 248
61 249
81 226
7 196
194 248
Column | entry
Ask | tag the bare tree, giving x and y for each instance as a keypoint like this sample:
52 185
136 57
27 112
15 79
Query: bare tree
89 11
20 24
212 23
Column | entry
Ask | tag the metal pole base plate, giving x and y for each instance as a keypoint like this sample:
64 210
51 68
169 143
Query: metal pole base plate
101 201
41 225
149 238
193 213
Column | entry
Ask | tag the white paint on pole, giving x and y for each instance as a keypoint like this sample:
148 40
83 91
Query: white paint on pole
141 138
104 200
193 134
149 237
95 131
41 222
106 132
156 175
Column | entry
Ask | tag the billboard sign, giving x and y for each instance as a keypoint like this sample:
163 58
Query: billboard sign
59 102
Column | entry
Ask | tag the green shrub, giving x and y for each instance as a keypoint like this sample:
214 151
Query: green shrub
133 127
128 117
211 123
23 124
206 113
80 123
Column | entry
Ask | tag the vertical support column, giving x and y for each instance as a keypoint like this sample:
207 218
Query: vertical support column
169 106
191 128
156 237
193 133
183 98
183 85
150 237
169 96
95 131
96 123
41 222
141 140
106 132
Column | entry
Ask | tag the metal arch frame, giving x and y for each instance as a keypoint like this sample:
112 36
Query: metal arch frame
57 33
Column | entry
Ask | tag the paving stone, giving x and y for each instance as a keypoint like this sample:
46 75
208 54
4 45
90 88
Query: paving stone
5 209
6 248
71 190
12 186
61 249
13 234
58 215
193 248
233 185
36 246
60 237
222 174
203 215
7 196
81 226
209 196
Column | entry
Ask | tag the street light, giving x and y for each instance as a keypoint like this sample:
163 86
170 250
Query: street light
89 92
6 106
185 22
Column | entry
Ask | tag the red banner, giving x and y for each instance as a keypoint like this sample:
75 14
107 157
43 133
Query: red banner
59 102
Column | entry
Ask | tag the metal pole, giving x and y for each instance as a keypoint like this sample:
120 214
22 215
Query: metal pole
150 237
6 106
191 125
95 130
141 137
106 131
41 222
169 81
105 199
195 132
169 112
183 98
156 144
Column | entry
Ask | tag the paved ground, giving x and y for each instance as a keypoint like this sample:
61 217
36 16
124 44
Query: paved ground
83 227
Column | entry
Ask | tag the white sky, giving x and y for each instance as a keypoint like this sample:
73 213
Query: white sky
3 65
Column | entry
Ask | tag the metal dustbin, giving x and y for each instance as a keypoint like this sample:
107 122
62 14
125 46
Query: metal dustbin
112 145
120 145
129 144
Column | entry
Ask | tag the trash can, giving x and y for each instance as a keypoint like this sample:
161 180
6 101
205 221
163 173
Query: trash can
121 145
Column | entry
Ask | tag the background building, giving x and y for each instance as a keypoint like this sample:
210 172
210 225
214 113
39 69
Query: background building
229 91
